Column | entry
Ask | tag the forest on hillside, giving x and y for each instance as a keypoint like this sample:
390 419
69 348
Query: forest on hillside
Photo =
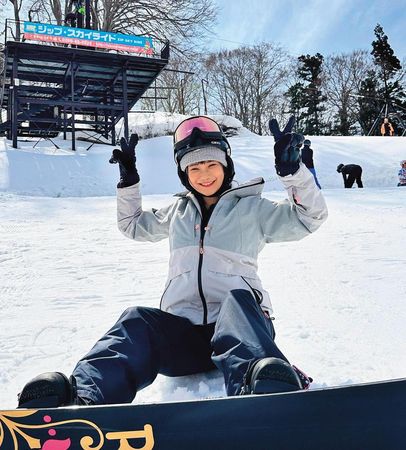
337 94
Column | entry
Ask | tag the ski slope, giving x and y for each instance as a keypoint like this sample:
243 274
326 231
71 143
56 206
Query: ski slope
66 273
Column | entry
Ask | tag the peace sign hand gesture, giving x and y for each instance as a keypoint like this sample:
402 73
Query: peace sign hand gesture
286 148
126 160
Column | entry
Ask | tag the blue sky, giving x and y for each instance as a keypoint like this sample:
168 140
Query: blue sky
310 26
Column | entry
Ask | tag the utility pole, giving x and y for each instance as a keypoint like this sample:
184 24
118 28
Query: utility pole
204 96
182 96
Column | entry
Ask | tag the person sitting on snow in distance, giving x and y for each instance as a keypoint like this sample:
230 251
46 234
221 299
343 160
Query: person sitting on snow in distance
402 173
307 159
214 312
387 128
351 173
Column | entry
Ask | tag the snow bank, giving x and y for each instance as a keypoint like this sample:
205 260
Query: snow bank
44 170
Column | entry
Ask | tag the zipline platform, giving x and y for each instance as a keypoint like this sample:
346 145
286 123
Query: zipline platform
50 89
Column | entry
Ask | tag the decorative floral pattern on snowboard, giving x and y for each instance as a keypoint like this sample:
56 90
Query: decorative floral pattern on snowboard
17 428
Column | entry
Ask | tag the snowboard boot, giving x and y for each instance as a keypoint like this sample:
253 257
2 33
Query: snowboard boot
269 376
50 390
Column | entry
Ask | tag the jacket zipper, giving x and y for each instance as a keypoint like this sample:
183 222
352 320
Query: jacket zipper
201 253
199 273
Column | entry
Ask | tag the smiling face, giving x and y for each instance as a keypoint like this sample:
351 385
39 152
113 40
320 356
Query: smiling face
206 177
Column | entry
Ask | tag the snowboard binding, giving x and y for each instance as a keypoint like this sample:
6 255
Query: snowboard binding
273 375
49 390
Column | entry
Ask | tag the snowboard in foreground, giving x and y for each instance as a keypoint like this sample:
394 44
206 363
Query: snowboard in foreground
365 416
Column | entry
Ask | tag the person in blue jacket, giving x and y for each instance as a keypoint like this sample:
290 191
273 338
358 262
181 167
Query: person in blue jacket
214 312
307 159
402 173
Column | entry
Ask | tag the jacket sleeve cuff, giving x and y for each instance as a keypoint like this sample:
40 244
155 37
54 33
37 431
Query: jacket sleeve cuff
306 197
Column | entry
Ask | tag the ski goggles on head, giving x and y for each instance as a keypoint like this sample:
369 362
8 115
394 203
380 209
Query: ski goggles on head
198 132
185 128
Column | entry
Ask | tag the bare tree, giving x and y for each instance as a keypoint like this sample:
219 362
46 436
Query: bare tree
179 21
248 81
269 64
229 73
341 82
17 4
179 88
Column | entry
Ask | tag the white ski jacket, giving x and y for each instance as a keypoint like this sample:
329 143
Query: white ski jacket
203 271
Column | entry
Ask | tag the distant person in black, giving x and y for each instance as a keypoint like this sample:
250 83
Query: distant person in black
307 160
351 173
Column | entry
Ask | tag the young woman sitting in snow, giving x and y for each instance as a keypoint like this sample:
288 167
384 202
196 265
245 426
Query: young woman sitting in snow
214 311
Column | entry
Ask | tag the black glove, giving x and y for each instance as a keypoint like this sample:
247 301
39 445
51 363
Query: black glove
286 148
126 161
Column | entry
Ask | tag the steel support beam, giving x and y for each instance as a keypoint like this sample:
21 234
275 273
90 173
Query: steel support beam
15 103
72 91
125 103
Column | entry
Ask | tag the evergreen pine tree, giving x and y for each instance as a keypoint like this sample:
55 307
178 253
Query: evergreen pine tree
385 59
297 97
388 66
310 71
369 101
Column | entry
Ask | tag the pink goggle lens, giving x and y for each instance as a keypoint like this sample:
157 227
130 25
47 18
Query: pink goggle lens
185 129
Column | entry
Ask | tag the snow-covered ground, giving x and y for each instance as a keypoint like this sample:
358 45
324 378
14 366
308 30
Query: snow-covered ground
66 273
